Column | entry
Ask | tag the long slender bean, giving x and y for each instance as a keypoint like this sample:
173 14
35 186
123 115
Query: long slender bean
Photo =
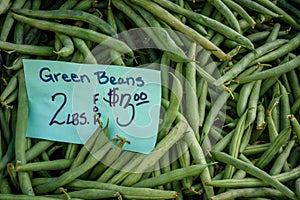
246 60
206 21
278 70
76 32
260 174
174 22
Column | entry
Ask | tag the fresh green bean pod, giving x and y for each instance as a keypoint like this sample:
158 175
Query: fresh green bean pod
249 192
223 157
295 125
67 48
284 15
57 164
76 32
297 186
5 5
206 21
281 159
281 51
279 141
20 138
173 175
9 20
175 23
246 60
234 147
27 49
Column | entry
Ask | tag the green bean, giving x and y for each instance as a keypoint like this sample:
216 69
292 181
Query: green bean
165 169
19 33
191 108
69 4
284 15
294 83
283 50
253 101
243 97
246 139
25 197
284 107
254 37
37 149
246 60
184 161
276 71
175 100
20 140
76 32
295 125
32 36
206 21
254 182
196 26
165 62
72 174
159 36
18 62
110 16
260 174
5 5
296 106
71 151
258 8
201 99
68 47
218 104
249 192
92 194
175 23
13 175
173 175
226 12
58 164
5 127
111 156
161 148
260 124
274 33
234 147
177 186
36 4
27 49
297 186
84 50
267 84
239 9
199 158
5 187
279 141
8 156
116 165
84 5
126 192
9 20
281 159
256 149
289 7
273 117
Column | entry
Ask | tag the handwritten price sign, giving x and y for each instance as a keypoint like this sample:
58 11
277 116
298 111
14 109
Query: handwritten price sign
66 98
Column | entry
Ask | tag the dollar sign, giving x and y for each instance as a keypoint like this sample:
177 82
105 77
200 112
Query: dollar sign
113 97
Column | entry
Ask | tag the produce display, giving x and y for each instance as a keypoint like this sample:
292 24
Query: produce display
230 101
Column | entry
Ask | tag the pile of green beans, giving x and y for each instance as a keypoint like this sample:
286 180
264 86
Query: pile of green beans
230 94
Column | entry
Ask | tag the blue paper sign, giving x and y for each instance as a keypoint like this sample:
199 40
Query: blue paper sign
65 99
